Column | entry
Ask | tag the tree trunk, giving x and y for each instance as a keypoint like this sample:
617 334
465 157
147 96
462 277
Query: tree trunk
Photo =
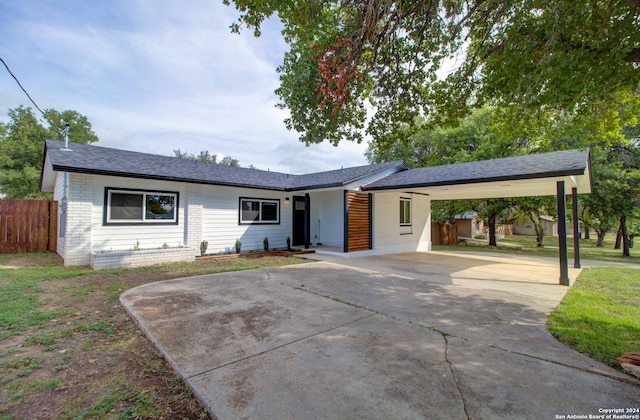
625 236
537 223
601 234
586 231
492 230
539 234
618 238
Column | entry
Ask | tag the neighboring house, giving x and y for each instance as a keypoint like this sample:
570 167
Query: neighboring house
122 208
469 224
526 227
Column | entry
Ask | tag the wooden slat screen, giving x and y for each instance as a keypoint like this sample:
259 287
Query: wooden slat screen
359 210
28 226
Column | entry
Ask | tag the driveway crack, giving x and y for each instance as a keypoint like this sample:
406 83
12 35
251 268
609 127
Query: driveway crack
337 299
280 346
445 336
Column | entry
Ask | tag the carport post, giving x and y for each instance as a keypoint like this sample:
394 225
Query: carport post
562 234
307 220
576 231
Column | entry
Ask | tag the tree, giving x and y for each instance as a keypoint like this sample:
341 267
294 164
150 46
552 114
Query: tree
22 147
533 208
532 57
615 196
228 161
477 137
206 156
492 211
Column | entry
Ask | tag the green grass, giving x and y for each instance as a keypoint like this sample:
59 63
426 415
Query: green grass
21 294
22 366
526 244
126 404
600 314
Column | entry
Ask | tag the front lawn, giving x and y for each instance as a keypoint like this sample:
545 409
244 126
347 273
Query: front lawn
68 350
526 244
600 314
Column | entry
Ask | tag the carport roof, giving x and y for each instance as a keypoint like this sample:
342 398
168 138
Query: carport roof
506 177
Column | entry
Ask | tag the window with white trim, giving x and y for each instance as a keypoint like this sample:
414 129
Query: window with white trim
259 211
125 206
405 211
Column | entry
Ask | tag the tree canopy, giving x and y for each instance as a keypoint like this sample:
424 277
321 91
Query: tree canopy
22 147
206 156
374 66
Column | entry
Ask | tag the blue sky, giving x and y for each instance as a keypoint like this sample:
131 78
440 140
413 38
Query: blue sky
158 75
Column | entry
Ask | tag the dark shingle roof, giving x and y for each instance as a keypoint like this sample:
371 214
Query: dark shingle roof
541 165
99 160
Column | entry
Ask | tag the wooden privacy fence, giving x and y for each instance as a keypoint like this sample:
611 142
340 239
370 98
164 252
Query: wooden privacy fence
444 234
28 226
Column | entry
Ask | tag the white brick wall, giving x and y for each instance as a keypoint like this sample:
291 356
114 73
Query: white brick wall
78 237
389 237
142 258
193 216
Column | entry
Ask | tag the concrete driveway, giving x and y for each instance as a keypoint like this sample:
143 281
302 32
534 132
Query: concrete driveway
408 336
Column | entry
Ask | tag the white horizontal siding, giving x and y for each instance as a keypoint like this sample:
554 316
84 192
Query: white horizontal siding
146 236
220 227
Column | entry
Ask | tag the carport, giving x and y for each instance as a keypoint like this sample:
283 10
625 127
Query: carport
542 174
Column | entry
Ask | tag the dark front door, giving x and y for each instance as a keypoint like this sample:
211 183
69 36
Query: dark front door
299 220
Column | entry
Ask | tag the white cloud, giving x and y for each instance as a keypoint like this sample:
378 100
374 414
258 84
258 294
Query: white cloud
157 76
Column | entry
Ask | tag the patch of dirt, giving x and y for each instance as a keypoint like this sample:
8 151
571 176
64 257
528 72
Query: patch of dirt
92 362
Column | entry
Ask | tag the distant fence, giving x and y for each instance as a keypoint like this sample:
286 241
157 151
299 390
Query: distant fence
28 226
444 234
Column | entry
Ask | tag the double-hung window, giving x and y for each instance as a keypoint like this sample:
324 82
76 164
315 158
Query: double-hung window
125 206
405 211
259 210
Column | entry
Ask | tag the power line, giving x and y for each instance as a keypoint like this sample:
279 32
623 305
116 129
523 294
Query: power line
23 89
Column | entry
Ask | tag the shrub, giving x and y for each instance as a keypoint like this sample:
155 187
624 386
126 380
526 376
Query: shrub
265 242
238 246
203 247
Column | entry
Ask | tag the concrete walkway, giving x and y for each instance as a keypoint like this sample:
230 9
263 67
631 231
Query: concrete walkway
408 336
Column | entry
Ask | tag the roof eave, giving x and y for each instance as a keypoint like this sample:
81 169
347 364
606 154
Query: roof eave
60 168
556 174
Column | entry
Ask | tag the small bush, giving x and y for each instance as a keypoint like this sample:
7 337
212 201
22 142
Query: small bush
265 242
203 247
238 246
481 235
